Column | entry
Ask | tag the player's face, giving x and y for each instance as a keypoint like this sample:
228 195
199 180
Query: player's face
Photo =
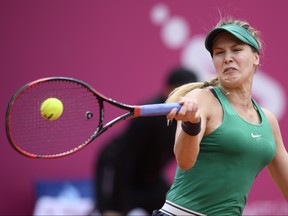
234 60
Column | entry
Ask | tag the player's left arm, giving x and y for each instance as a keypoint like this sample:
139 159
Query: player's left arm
278 168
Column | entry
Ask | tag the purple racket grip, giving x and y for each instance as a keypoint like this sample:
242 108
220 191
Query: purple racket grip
158 109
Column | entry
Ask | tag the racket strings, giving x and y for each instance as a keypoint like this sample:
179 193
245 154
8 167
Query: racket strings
44 138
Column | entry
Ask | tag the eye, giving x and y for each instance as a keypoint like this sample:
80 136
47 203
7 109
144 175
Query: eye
218 52
238 48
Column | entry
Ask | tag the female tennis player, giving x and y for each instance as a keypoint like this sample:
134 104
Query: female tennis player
224 138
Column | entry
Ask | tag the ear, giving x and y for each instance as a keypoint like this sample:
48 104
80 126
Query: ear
256 59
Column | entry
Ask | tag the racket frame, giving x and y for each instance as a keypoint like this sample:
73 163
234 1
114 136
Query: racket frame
133 111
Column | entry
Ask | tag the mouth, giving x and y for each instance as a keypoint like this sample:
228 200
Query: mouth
229 70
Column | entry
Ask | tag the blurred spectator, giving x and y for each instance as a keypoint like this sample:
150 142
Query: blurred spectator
129 170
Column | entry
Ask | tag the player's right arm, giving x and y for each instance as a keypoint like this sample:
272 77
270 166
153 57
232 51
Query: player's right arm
194 107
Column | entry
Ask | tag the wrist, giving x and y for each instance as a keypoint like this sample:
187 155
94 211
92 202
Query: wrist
191 129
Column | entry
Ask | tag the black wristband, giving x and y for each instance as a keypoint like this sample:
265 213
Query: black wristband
192 129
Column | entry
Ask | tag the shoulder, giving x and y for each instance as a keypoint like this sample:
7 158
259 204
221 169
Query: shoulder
199 91
271 118
202 95
206 100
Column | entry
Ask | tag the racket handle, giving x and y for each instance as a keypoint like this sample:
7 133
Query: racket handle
158 109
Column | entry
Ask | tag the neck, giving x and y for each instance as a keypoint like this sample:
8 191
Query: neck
239 97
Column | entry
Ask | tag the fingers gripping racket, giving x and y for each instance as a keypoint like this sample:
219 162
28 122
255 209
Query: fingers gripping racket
81 120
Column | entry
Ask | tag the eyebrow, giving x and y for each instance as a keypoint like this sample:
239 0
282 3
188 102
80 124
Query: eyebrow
238 44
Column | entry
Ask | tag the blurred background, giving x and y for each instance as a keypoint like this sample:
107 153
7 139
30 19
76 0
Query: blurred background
123 49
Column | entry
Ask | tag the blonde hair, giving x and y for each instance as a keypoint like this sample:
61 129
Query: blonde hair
181 91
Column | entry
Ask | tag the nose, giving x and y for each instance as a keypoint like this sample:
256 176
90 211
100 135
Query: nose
228 58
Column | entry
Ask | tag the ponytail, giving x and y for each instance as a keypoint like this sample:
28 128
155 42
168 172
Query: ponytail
181 91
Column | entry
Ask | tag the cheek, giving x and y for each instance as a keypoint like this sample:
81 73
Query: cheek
216 62
248 65
249 61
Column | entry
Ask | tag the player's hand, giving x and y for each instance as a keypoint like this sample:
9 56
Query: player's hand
188 112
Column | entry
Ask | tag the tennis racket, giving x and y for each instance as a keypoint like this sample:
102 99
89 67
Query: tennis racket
82 119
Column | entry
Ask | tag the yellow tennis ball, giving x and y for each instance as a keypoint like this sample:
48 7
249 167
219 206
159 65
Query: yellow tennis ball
51 109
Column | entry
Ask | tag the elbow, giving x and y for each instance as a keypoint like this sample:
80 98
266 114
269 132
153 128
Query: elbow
185 168
185 165
186 162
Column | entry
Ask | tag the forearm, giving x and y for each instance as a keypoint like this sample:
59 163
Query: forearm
282 185
186 150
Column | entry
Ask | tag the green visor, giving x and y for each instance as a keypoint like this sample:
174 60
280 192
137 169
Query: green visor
236 30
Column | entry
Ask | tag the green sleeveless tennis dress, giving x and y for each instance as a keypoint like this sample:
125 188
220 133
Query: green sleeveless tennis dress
228 162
